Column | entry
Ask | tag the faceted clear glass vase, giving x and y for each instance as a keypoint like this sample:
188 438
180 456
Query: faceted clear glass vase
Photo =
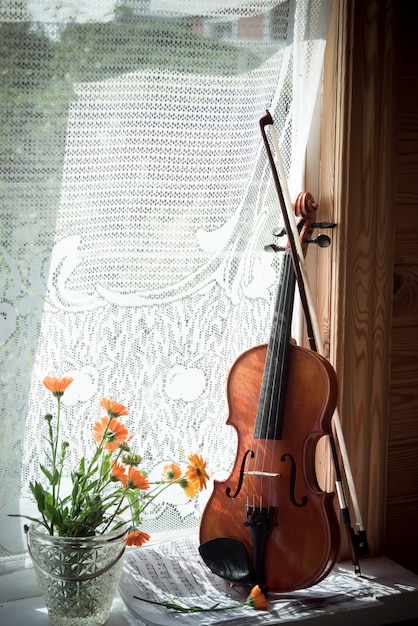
78 576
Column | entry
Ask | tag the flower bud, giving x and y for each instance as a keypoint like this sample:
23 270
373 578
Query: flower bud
132 459
122 445
48 417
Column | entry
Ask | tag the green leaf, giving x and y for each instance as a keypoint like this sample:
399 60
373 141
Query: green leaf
105 465
32 519
46 472
65 501
53 478
54 515
76 494
39 494
92 485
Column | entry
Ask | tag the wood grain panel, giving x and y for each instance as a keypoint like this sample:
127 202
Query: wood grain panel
403 396
401 543
408 129
401 532
357 186
403 412
407 173
404 357
335 106
369 149
406 227
403 471
405 291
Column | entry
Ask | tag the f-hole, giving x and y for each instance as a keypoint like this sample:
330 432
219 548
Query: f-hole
241 475
304 500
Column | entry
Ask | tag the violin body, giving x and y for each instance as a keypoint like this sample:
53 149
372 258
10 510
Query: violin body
271 507
269 524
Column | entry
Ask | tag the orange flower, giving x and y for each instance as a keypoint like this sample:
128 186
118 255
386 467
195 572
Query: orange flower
190 489
118 473
196 471
109 432
171 472
137 538
57 385
114 409
257 599
136 480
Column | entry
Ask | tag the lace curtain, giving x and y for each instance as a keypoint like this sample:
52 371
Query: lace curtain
136 202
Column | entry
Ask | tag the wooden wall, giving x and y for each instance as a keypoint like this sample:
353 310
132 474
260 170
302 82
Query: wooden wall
401 533
367 286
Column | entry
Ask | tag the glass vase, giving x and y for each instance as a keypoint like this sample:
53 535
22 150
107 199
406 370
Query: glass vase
78 576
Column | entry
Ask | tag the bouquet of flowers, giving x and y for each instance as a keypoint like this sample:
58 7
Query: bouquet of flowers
108 487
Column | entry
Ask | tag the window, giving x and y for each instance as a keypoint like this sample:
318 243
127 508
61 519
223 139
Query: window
136 204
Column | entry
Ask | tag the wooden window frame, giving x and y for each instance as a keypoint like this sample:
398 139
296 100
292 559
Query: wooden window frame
357 191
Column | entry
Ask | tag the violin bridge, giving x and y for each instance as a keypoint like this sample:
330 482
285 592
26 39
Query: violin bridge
260 473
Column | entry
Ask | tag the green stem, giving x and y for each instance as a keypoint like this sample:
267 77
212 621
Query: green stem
100 447
54 446
114 514
193 609
105 477
149 497
99 451
159 489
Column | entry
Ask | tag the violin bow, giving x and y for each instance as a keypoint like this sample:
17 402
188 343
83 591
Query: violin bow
357 542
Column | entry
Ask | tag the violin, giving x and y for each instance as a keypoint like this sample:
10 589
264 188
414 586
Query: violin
269 523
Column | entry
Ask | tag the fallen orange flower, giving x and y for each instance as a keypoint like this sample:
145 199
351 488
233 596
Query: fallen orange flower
257 599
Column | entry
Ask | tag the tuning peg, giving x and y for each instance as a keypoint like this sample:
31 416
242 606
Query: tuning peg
273 248
323 241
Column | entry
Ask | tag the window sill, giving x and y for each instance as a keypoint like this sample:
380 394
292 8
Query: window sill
20 602
32 611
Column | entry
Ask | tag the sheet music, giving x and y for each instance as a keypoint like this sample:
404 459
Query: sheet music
174 572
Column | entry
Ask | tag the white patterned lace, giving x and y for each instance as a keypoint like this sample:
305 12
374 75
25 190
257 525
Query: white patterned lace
136 201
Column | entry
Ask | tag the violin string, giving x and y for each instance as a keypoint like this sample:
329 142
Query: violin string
258 461
279 362
274 367
273 385
265 408
282 358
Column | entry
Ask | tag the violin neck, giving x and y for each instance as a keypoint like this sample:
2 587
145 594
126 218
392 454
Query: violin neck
270 406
